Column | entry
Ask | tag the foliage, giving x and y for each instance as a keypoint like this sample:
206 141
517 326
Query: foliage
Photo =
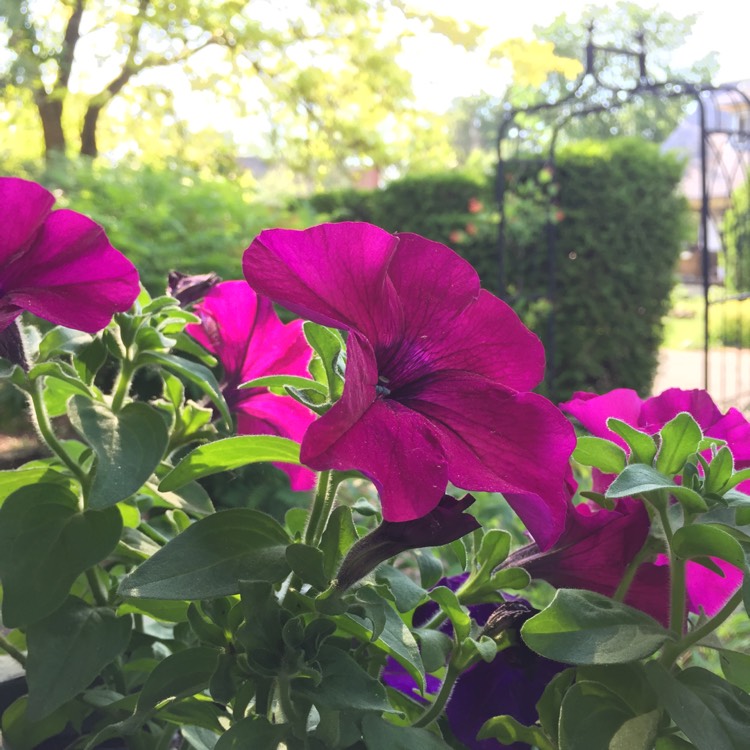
736 236
167 219
319 88
617 244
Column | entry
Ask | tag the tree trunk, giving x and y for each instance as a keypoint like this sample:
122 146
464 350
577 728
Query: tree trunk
50 113
88 131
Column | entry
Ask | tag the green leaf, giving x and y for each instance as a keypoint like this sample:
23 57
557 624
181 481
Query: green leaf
430 568
720 471
61 340
642 446
230 453
379 734
195 373
638 733
45 544
158 609
345 685
329 346
638 479
67 652
406 593
435 648
458 615
129 445
212 556
63 372
581 627
708 540
279 381
548 706
252 732
679 440
590 716
20 733
494 549
736 667
12 480
340 534
599 453
307 563
712 713
507 731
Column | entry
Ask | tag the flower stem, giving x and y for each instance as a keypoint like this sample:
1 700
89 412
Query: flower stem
434 711
124 378
677 578
97 591
630 572
12 651
48 434
670 653
321 507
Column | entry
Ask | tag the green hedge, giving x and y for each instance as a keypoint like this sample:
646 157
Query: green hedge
165 219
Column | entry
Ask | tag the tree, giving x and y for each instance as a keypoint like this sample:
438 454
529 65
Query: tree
322 79
540 76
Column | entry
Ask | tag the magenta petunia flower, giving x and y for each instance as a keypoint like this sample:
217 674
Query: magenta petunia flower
250 341
594 552
437 375
706 590
58 265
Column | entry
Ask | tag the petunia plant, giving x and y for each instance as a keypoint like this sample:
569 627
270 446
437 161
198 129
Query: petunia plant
586 609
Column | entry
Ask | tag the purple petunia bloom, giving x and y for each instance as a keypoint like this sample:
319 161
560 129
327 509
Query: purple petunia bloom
512 683
706 590
250 341
58 265
437 377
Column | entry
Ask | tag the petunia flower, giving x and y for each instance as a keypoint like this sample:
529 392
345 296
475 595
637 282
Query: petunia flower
243 331
58 265
594 552
437 378
512 683
706 590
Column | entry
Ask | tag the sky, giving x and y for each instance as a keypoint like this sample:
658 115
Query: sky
441 74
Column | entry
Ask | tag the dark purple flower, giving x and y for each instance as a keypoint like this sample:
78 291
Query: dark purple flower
512 683
250 341
443 525
189 288
58 265
437 378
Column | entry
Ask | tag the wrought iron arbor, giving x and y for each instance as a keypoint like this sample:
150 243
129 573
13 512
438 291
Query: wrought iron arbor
715 137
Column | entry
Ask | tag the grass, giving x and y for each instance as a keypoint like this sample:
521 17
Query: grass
683 324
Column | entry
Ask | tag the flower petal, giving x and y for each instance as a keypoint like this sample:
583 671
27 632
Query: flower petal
333 274
391 445
24 205
498 440
659 410
593 411
71 275
245 333
440 293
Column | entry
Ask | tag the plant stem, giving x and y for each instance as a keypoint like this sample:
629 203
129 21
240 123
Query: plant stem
124 377
677 578
12 651
630 572
670 653
433 711
48 434
321 507
100 596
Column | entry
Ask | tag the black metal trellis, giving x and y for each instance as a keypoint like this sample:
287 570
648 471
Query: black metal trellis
717 132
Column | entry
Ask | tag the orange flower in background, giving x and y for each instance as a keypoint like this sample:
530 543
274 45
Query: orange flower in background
471 229
475 206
